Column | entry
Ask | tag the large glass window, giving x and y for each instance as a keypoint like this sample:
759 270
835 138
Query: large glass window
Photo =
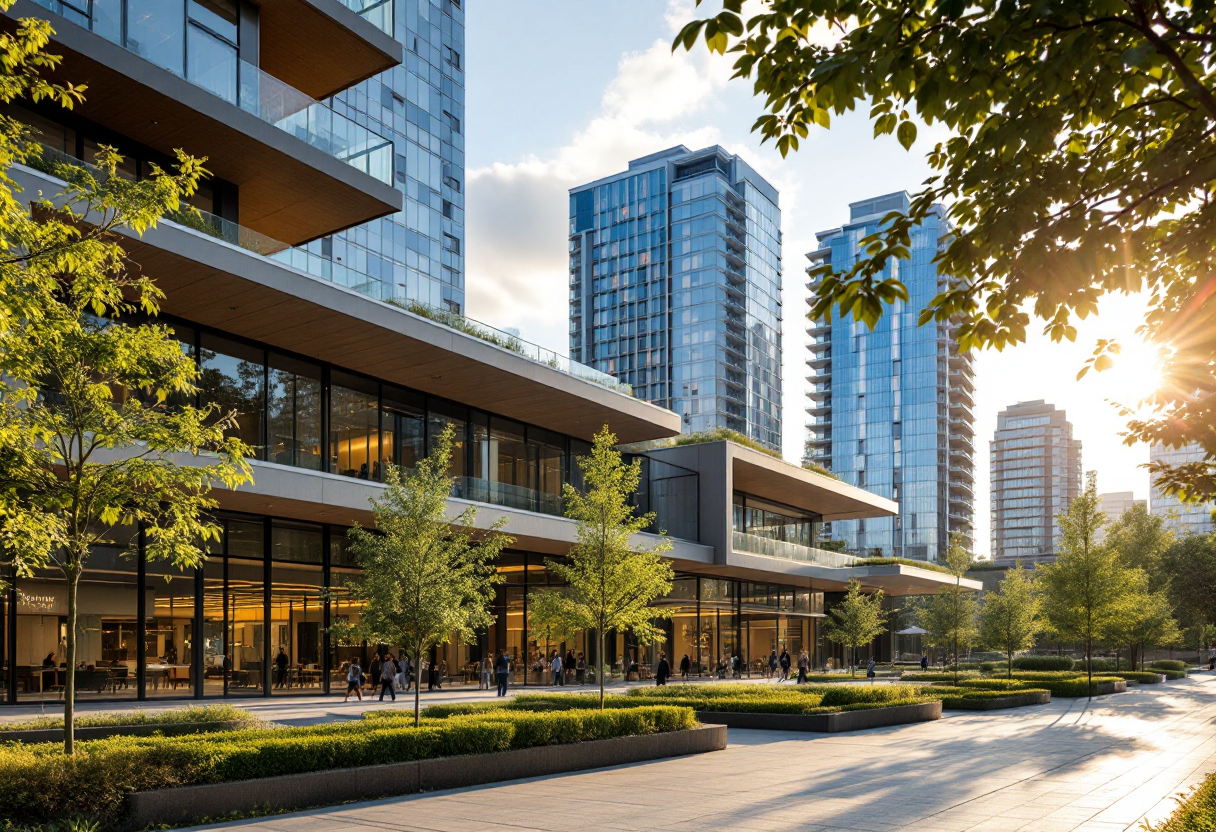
212 47
354 427
550 460
294 413
246 624
156 30
168 630
296 622
217 657
440 415
233 377
404 427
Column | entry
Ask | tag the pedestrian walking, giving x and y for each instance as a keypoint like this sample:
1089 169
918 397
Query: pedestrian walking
387 671
685 667
784 661
580 669
404 671
804 662
503 667
924 662
354 680
663 672
485 674
870 670
556 666
772 664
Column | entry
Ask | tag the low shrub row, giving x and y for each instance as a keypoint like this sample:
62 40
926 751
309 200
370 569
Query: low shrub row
1170 664
952 698
937 676
190 715
39 784
995 684
1042 663
1066 688
1141 678
1195 813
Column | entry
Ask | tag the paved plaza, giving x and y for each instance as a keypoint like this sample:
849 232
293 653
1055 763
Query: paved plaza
1070 765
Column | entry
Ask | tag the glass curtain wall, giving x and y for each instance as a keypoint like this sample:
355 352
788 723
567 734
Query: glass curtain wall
296 608
168 630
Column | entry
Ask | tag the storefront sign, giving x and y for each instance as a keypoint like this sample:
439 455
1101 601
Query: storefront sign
41 599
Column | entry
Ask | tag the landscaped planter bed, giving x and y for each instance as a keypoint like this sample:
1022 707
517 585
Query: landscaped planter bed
827 723
324 788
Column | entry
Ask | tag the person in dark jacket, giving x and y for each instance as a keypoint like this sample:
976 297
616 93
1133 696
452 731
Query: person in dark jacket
280 667
784 661
924 662
870 674
663 672
502 669
685 667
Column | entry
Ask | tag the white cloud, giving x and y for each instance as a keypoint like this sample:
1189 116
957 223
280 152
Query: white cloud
518 212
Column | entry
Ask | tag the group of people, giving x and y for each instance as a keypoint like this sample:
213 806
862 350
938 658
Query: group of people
570 665
391 674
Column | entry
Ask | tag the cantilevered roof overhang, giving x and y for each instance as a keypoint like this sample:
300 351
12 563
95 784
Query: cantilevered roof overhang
213 283
321 47
892 579
770 478
289 190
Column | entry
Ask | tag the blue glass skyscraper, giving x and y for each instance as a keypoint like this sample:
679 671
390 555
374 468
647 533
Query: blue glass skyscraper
417 254
675 287
891 409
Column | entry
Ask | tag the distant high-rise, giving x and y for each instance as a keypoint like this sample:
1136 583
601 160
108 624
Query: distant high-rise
1113 504
1036 474
675 287
891 408
1181 518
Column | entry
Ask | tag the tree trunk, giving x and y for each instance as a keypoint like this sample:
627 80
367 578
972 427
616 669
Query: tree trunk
1009 666
1089 665
599 660
418 684
69 679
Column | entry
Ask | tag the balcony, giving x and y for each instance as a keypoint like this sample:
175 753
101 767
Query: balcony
302 170
819 392
506 495
766 547
207 285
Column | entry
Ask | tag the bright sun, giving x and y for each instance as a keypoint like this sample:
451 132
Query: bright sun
1136 373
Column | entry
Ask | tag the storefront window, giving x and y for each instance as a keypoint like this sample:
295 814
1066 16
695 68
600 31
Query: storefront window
246 625
168 630
217 657
296 622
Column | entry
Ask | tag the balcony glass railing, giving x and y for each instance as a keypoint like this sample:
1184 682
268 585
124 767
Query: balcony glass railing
57 163
200 46
767 547
506 495
379 13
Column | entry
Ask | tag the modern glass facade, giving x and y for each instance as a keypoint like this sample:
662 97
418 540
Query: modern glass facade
273 587
891 408
1181 518
419 253
675 287
1035 476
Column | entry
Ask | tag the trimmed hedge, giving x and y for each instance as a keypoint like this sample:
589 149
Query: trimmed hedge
1005 685
190 715
1065 687
1172 675
39 784
1170 664
1195 813
952 697
1144 678
1042 663
937 676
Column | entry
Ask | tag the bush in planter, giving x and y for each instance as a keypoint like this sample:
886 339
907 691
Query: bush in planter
936 676
1042 663
1103 665
39 784
1065 687
1169 664
954 697
1144 678
995 684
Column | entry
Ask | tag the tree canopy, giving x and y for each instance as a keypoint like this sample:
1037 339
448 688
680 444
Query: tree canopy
609 578
856 620
1078 161
1009 620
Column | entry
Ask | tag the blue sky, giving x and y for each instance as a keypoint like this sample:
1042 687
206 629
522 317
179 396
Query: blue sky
566 91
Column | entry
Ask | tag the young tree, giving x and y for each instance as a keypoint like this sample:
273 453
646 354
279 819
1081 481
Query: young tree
95 402
1145 620
1083 589
610 581
857 620
1141 539
1190 565
949 616
1070 147
1009 619
425 576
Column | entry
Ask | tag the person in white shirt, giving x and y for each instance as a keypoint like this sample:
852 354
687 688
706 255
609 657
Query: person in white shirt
556 665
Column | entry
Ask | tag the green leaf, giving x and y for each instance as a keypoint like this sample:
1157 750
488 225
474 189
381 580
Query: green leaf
906 133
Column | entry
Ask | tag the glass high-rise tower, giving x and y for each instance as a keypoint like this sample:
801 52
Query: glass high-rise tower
891 408
1181 518
675 287
1036 474
418 253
